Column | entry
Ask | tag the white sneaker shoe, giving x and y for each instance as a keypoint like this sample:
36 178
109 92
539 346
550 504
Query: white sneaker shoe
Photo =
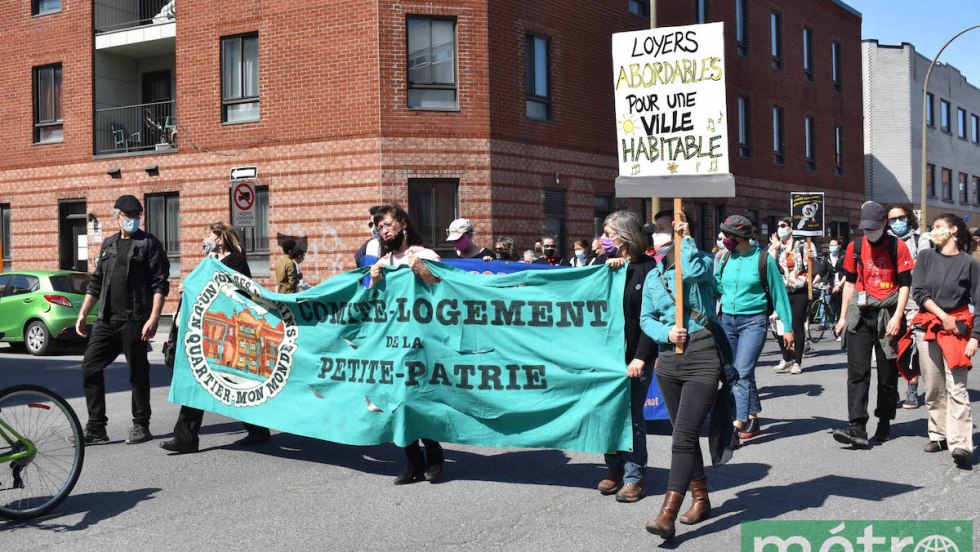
797 369
783 366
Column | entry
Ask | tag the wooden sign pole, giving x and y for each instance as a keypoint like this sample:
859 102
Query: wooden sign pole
678 274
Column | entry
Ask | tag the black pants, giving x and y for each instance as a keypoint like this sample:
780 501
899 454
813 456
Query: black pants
859 346
798 303
433 454
689 385
108 339
189 425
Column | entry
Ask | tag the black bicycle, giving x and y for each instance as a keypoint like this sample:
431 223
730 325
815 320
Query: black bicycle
820 316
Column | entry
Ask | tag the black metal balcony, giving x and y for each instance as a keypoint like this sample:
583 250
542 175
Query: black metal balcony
136 128
116 15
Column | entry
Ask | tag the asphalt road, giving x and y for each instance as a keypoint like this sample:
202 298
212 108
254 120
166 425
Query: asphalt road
296 493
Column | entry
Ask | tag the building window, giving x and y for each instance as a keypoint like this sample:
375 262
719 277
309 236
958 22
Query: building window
163 221
835 63
776 38
240 79
961 122
947 185
44 7
48 124
5 233
554 217
930 109
538 78
839 150
601 207
974 129
976 190
432 205
944 115
744 127
701 11
432 80
640 7
811 156
931 179
777 134
808 53
964 178
255 240
742 27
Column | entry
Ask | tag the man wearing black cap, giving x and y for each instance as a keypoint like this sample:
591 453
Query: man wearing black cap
878 275
130 283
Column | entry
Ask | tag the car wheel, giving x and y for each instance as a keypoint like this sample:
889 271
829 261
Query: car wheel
37 339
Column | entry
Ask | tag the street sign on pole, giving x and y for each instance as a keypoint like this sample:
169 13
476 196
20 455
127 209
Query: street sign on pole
244 173
243 204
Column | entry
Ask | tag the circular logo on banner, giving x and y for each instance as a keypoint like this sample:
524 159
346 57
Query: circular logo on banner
239 351
243 197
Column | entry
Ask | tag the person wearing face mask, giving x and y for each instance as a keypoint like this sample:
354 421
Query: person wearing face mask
130 282
369 251
626 469
878 274
946 284
402 245
831 272
460 234
504 249
903 225
598 256
792 255
581 256
550 254
746 300
220 242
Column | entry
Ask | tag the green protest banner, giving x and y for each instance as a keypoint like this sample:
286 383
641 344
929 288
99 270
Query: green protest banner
530 359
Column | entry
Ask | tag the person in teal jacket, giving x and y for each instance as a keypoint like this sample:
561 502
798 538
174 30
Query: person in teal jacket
744 310
688 382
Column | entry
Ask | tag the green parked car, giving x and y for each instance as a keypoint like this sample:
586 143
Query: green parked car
39 307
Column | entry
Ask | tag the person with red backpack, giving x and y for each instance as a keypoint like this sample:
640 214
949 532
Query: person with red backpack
878 273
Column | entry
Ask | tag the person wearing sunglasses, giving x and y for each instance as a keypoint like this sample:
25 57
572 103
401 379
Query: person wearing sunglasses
504 250
792 256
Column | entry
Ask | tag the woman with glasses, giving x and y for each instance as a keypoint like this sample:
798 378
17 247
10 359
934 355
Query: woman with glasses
793 256
402 245
625 469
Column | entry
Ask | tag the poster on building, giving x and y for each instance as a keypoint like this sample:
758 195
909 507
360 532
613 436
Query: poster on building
807 210
671 112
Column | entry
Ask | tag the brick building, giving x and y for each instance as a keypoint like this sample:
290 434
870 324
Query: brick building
500 111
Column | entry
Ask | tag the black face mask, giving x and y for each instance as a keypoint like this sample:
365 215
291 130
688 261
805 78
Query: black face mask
503 256
550 252
395 243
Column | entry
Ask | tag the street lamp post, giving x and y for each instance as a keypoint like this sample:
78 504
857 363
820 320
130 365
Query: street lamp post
923 199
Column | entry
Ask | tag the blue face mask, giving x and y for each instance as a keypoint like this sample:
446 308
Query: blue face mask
834 249
130 225
900 227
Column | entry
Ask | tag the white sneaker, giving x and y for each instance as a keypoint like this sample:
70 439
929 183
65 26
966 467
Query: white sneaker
797 369
783 366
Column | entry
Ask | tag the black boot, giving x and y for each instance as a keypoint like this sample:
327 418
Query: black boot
415 471
884 431
434 458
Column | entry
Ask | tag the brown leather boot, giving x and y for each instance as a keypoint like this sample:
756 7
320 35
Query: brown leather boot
700 509
612 482
663 524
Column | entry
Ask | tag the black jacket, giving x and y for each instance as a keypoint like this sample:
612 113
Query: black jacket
638 344
148 271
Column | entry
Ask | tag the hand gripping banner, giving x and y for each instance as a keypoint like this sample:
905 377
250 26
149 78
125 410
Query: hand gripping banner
530 359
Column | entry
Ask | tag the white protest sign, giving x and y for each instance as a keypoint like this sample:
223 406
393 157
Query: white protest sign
671 112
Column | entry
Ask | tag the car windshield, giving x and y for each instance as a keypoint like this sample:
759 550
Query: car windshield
70 283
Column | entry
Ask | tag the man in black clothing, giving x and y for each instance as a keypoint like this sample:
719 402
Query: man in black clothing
130 284
550 254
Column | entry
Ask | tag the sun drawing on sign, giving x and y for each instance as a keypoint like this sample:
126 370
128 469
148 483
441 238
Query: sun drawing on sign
672 168
627 124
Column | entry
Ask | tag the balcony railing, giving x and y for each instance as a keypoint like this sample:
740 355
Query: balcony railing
115 15
135 128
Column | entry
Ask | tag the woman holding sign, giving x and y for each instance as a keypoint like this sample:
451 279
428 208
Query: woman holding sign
688 382
624 476
402 245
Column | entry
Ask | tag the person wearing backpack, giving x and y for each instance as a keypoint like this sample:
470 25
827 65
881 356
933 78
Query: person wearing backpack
749 286
792 256
878 272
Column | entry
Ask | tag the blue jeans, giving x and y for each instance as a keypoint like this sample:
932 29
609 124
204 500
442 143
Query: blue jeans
634 463
747 335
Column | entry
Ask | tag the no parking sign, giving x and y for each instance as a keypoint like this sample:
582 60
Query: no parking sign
242 203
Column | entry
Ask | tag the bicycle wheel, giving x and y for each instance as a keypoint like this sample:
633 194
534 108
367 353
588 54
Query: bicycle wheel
816 317
32 485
